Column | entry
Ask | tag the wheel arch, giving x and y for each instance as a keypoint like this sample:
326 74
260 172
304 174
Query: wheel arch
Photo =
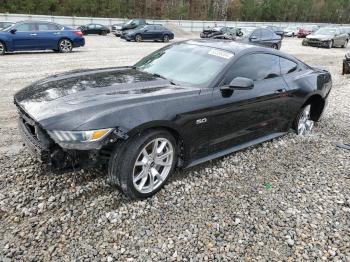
317 105
172 128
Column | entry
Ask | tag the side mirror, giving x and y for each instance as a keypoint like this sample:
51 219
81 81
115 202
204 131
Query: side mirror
13 31
239 83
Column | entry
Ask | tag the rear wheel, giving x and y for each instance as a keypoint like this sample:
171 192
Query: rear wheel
104 32
141 166
165 38
303 124
274 46
65 46
138 38
2 48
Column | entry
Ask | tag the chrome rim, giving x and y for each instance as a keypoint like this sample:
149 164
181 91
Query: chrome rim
153 165
2 48
66 46
138 38
305 124
330 44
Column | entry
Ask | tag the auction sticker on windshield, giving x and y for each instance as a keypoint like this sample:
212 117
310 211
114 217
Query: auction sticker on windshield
220 53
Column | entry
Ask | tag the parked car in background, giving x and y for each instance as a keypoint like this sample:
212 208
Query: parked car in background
221 32
307 30
133 23
5 24
276 29
346 29
247 30
116 29
346 64
262 36
94 29
40 35
148 32
180 106
327 37
291 31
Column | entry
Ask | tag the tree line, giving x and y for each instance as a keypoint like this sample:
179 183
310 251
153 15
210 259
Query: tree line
330 11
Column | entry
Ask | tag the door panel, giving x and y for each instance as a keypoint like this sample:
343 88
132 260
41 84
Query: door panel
25 40
247 114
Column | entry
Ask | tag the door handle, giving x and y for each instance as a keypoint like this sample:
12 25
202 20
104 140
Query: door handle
33 34
57 33
282 90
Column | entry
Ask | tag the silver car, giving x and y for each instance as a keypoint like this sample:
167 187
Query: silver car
327 37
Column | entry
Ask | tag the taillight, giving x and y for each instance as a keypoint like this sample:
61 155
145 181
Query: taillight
78 33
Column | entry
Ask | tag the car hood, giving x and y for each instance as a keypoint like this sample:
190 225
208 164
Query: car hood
91 92
321 37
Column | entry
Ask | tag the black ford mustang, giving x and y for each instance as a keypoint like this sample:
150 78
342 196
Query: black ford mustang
184 104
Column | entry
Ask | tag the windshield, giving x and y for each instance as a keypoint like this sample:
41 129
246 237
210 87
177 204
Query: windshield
186 64
326 31
247 30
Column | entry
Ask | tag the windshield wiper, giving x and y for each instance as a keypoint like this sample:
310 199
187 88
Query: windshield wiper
171 81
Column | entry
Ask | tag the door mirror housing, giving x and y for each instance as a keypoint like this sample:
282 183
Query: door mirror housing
13 31
241 83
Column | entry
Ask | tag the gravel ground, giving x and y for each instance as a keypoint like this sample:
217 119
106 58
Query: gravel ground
288 199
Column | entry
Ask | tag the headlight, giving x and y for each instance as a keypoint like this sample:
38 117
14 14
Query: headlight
79 136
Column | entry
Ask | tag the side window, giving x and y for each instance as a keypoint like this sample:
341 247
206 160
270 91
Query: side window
26 27
137 22
91 26
266 34
47 27
257 67
98 26
287 66
256 33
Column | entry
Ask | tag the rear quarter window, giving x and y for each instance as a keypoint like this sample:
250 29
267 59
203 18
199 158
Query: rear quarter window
287 66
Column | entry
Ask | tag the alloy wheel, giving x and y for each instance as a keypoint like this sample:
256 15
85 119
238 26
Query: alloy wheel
305 123
166 38
138 38
153 165
2 48
66 46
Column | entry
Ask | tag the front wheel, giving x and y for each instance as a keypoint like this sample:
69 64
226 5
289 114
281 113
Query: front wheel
345 44
274 46
138 38
2 48
303 124
141 166
65 46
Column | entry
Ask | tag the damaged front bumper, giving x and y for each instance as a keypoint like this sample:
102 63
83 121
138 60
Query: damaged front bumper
318 43
66 156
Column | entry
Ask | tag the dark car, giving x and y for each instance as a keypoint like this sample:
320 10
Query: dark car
327 37
180 106
94 29
133 23
224 32
117 29
261 36
40 35
306 30
148 32
5 24
276 29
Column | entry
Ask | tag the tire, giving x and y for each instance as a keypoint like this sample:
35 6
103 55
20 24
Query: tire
293 35
330 44
65 46
274 46
138 38
304 43
303 124
345 44
104 33
2 48
133 164
165 38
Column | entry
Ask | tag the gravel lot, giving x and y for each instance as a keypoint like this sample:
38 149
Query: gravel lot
288 199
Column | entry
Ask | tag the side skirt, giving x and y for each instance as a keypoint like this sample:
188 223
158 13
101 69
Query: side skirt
235 149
